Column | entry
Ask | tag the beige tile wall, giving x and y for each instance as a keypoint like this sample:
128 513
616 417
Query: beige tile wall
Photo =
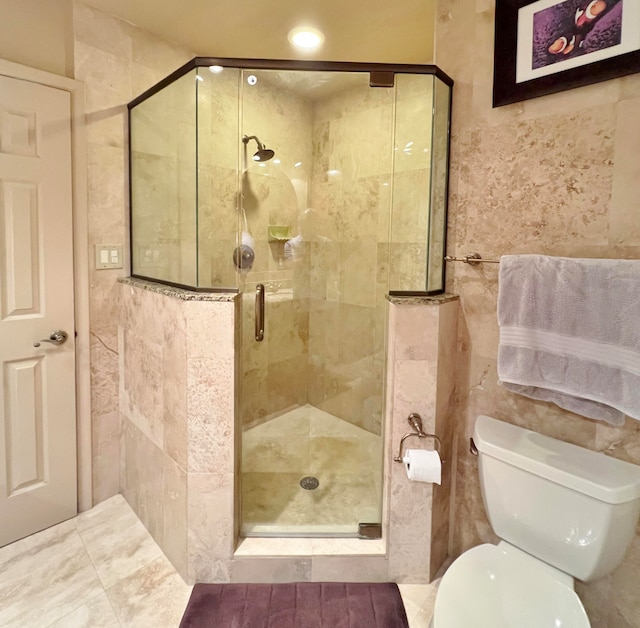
116 62
420 378
276 369
153 407
350 191
163 136
177 401
411 182
218 154
555 175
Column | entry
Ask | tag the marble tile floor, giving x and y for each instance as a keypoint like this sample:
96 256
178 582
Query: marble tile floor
102 569
307 441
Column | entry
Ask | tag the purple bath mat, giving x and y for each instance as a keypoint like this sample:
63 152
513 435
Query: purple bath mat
295 605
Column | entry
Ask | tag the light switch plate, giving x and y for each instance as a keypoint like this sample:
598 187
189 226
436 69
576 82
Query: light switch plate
108 256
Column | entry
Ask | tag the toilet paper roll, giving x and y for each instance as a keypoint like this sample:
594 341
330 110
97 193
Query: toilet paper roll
423 465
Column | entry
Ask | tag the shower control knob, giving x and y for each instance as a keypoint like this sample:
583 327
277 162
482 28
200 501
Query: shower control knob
243 257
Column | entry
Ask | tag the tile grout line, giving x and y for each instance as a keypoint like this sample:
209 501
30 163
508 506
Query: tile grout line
95 569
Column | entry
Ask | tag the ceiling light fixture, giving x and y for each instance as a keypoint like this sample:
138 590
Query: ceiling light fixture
306 37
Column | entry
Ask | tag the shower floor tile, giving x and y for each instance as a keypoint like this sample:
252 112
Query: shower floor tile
345 459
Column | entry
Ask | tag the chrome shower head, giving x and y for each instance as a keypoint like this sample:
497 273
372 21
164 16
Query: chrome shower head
263 153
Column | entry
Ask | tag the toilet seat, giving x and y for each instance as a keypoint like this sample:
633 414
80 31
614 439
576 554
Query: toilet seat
503 587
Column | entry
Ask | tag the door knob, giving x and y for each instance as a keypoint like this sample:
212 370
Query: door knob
57 337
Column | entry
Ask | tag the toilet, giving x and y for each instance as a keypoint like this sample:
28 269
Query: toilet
561 512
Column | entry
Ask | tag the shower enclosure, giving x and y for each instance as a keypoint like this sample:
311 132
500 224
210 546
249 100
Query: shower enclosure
313 190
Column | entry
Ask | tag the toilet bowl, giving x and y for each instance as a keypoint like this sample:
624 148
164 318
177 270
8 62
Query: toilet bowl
503 588
562 512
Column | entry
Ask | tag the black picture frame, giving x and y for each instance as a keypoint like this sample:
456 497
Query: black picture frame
506 89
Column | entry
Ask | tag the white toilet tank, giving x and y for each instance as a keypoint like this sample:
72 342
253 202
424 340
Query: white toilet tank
571 507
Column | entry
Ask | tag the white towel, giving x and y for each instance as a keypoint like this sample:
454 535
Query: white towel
570 333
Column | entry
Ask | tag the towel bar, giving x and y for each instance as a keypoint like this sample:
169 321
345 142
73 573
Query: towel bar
473 259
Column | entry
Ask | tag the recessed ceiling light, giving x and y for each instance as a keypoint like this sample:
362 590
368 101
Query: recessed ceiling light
216 69
306 37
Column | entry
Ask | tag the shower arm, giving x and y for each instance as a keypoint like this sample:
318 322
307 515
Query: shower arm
247 138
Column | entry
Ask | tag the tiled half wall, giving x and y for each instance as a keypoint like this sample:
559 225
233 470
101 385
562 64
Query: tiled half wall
180 465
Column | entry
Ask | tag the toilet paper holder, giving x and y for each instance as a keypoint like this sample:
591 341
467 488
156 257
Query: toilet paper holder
415 420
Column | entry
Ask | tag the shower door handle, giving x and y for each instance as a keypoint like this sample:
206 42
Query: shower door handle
260 312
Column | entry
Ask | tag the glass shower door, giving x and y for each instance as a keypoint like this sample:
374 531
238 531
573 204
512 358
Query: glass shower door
316 215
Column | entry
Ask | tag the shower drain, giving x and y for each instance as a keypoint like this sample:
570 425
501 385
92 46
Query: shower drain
309 483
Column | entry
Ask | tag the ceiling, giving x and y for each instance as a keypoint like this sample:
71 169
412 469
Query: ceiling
377 31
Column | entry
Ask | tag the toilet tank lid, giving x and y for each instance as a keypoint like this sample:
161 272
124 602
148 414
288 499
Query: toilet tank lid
592 473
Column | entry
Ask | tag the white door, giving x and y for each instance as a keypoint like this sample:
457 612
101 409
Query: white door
37 396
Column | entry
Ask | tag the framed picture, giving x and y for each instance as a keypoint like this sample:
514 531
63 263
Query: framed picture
546 46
